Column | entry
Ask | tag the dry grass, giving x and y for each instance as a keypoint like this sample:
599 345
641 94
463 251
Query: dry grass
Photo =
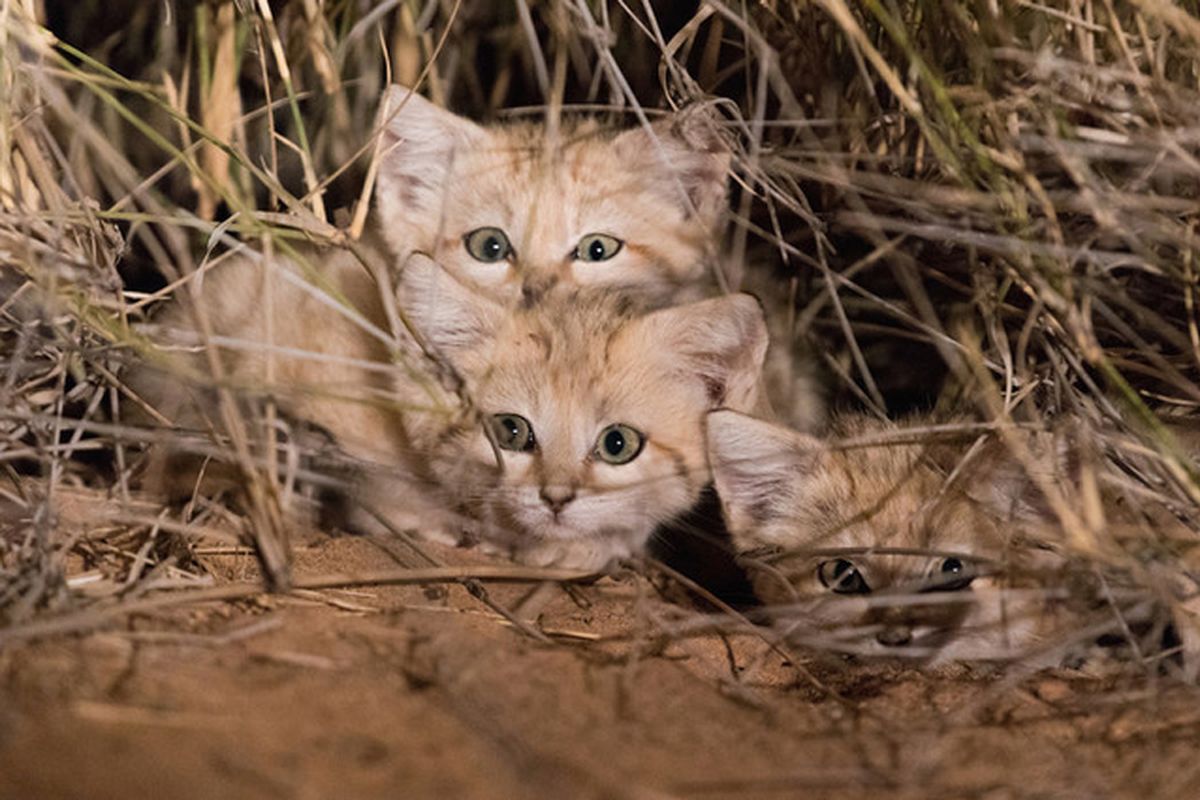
989 213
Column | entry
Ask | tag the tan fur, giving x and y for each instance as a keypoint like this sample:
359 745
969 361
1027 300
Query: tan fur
791 374
569 360
793 502
661 191
571 364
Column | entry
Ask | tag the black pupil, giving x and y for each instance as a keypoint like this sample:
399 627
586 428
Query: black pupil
952 566
492 248
843 577
511 429
596 250
614 443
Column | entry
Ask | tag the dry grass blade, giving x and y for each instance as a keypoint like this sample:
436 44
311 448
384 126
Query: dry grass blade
95 617
981 217
1058 235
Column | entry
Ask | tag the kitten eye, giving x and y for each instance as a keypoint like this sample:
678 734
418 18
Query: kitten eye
953 575
488 245
842 577
619 444
597 247
513 432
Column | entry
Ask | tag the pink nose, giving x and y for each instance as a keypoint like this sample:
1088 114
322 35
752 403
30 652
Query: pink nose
557 497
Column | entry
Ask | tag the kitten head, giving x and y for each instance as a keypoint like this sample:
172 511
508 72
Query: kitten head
511 211
882 556
592 410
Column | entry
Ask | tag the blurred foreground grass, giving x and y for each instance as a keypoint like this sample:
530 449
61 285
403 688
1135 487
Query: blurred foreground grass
984 208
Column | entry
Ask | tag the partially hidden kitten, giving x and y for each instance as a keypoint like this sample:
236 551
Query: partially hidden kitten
872 551
585 424
517 211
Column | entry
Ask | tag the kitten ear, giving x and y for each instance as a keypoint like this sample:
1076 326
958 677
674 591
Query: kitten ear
756 465
418 146
1007 487
721 342
449 315
684 158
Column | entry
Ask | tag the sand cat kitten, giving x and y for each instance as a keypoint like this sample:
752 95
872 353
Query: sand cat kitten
589 423
510 209
515 212
876 551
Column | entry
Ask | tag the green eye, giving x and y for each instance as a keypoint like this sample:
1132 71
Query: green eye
488 245
619 444
597 247
842 577
513 432
954 576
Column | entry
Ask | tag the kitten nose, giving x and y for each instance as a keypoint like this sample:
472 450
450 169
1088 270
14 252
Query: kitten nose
557 497
894 636
535 287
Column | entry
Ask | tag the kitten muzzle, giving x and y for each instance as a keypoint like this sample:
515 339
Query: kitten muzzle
557 498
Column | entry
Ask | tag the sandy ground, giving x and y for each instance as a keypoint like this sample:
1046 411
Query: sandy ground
427 692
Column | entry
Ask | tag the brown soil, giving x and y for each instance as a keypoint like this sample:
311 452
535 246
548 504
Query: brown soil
427 692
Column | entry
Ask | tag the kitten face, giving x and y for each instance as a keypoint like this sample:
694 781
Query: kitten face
508 210
871 546
596 411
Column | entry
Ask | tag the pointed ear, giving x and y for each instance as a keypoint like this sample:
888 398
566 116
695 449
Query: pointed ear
684 158
720 342
448 315
419 143
1007 487
757 465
